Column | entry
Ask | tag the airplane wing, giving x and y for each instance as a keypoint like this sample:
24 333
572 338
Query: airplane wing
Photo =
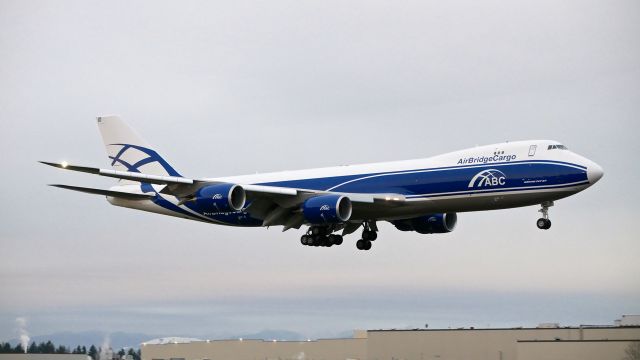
281 206
275 205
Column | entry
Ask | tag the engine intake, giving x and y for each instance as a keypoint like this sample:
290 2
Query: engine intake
220 198
327 209
428 224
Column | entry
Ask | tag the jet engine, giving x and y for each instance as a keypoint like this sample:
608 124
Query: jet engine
220 198
327 209
428 224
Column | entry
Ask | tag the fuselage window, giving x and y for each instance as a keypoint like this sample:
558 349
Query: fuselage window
560 147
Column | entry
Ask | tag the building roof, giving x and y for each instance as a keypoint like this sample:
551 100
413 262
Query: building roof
171 340
512 328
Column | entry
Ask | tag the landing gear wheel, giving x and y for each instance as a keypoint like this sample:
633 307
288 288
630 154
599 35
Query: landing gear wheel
543 223
363 245
335 239
327 242
369 235
304 239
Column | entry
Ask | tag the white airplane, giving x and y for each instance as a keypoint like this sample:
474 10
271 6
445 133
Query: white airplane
421 195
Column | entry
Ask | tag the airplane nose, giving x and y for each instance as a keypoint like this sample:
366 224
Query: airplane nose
594 173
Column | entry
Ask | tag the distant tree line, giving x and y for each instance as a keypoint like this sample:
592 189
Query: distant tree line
49 348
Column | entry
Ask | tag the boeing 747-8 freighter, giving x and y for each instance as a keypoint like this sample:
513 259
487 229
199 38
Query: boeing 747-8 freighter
420 195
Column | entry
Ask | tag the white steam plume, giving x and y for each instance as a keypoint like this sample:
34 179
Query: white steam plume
105 351
22 331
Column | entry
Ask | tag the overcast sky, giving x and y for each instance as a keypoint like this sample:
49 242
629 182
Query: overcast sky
229 88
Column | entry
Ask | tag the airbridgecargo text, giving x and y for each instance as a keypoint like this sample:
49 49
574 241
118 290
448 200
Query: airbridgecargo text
486 159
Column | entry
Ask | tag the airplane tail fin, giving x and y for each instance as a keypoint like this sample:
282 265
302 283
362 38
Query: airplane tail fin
127 151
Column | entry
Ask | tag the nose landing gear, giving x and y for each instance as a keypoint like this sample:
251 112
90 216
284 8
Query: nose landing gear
544 223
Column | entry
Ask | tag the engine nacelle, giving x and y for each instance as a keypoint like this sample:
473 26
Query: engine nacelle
220 198
327 209
428 224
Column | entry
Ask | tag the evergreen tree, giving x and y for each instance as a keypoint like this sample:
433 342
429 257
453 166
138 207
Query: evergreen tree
33 348
121 353
134 354
84 350
49 348
93 352
5 348
62 350
18 349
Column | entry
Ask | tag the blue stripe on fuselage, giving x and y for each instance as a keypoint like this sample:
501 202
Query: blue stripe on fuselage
518 174
496 190
433 182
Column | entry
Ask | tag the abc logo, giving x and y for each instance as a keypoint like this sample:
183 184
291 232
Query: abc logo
487 178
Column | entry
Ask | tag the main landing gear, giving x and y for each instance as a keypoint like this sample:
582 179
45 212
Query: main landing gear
369 234
323 236
320 236
544 223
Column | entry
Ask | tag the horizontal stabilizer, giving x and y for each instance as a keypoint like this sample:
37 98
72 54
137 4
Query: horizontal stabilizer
117 194
64 165
127 175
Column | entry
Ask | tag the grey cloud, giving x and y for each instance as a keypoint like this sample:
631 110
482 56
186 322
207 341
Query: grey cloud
225 89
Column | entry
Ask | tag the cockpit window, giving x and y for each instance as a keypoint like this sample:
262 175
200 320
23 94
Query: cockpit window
559 147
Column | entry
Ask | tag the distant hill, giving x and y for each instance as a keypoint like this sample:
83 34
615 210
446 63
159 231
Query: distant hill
274 334
346 334
118 339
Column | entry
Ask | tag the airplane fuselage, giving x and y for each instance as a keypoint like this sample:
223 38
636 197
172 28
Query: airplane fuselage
497 176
